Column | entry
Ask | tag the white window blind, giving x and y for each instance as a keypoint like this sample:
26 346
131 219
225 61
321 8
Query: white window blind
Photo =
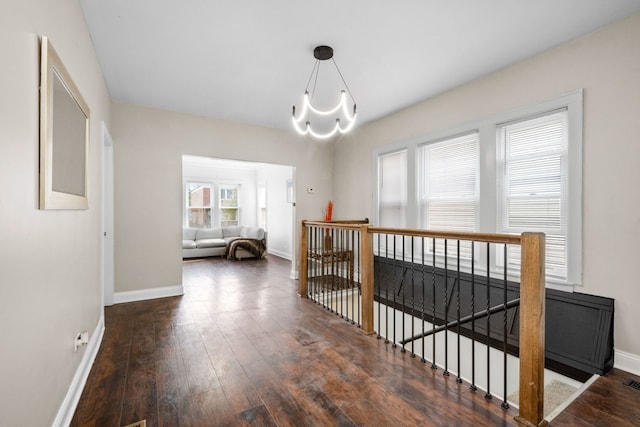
450 184
392 196
532 185
450 190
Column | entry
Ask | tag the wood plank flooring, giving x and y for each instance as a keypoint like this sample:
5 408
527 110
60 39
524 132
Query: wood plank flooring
607 402
241 348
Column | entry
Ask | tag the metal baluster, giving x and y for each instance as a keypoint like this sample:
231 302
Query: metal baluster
320 267
345 277
505 404
325 285
424 305
332 267
488 393
386 291
376 281
358 270
413 301
433 300
446 311
395 251
403 284
458 379
309 262
339 250
473 386
352 279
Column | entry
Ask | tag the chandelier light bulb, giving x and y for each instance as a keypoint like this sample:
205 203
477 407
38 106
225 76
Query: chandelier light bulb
302 122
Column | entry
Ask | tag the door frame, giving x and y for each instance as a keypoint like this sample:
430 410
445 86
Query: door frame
108 265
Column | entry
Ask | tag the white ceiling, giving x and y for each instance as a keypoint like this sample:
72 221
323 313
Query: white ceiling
249 61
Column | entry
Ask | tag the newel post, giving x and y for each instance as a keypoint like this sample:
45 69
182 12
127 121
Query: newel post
302 290
366 278
532 306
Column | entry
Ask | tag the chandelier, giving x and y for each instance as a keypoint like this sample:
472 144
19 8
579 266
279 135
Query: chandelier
302 123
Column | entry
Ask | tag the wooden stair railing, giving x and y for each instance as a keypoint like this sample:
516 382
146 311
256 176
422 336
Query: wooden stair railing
532 298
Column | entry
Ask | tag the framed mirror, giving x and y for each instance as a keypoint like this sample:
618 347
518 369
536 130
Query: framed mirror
64 135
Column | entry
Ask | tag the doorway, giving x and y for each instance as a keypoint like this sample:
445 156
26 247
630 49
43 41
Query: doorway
266 197
107 217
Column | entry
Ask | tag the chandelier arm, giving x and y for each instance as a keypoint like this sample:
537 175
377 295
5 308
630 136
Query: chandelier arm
304 113
326 135
341 104
348 127
346 113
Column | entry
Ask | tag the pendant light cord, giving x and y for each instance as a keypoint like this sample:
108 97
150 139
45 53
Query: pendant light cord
344 81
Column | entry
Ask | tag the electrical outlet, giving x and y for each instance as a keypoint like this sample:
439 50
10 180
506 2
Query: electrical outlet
77 343
82 338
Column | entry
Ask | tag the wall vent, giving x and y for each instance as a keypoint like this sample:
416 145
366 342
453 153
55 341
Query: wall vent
632 383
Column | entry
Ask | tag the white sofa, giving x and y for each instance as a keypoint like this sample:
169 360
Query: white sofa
207 242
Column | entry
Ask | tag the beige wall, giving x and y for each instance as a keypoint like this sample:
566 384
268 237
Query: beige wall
149 145
607 65
49 260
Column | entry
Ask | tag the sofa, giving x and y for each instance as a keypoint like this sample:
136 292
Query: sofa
236 242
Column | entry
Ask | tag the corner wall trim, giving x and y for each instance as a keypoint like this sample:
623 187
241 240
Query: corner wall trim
145 294
627 362
71 399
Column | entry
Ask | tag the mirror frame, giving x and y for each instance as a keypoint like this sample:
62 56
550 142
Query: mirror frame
51 67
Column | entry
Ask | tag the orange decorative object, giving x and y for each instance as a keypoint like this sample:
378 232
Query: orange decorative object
328 213
327 216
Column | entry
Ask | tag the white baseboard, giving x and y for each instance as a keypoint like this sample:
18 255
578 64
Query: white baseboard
70 402
627 362
279 254
145 294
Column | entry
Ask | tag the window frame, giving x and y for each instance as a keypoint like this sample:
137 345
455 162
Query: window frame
188 207
487 132
215 208
220 208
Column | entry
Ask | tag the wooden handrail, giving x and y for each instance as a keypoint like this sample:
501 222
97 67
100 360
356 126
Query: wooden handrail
512 239
344 224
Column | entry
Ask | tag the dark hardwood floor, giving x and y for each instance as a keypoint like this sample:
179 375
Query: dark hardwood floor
607 402
241 348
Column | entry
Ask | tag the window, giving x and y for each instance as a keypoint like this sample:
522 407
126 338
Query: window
204 210
198 205
532 185
262 205
513 172
229 210
450 189
450 184
392 196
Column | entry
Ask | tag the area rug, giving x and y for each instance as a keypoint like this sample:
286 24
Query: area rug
555 393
